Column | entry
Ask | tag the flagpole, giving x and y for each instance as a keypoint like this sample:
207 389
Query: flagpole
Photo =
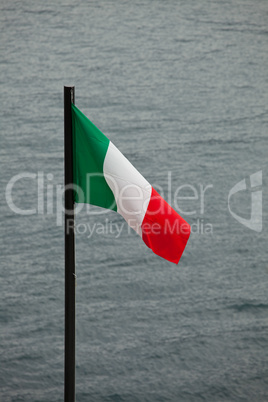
69 363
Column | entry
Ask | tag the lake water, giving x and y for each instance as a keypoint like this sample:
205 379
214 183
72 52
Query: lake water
181 88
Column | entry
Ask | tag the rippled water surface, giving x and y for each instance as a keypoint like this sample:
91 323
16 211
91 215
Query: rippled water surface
181 88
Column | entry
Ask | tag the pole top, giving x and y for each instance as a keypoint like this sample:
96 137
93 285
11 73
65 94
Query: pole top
69 90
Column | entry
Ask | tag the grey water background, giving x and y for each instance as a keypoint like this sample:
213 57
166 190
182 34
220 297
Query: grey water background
181 88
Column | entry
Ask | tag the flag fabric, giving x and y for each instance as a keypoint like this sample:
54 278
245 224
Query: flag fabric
104 177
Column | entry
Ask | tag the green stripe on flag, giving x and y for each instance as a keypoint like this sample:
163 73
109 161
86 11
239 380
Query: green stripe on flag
89 150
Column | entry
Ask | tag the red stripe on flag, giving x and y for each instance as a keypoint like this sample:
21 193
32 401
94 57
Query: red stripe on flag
164 230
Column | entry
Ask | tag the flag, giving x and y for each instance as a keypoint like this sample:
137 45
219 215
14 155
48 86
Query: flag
104 177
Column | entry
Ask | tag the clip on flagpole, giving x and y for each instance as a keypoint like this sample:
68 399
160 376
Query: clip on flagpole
70 277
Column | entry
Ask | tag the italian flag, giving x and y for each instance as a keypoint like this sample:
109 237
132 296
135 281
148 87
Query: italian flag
104 177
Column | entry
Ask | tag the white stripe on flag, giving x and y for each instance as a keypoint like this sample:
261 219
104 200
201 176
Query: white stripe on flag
131 190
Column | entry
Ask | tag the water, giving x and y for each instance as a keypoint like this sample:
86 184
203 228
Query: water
181 89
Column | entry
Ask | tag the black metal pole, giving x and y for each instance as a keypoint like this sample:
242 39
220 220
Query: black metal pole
69 363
